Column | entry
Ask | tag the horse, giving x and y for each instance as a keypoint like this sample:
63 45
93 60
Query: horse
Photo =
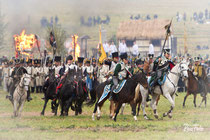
49 90
67 93
81 90
193 88
169 87
20 94
126 95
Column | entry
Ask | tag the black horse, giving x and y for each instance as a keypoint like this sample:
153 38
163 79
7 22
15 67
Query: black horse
81 92
67 93
49 90
126 95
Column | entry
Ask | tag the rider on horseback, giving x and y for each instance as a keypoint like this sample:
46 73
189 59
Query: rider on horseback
199 72
120 73
140 65
160 68
17 72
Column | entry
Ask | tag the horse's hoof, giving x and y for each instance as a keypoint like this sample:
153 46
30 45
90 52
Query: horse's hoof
98 117
145 117
115 119
135 118
42 114
170 115
156 116
165 114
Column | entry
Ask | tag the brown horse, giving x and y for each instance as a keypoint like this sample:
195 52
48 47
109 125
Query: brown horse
126 95
193 88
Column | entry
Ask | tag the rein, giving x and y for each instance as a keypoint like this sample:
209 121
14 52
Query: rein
177 74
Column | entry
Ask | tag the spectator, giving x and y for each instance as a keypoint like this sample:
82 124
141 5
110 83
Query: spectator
135 49
122 47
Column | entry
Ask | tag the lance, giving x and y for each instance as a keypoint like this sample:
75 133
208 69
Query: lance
168 32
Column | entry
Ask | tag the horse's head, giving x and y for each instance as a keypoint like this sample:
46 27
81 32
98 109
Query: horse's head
183 68
71 73
51 75
141 78
79 74
25 81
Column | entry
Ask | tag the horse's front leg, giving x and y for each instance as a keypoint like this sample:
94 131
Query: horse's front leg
94 111
98 112
122 109
185 98
153 104
68 104
112 106
45 104
56 107
117 109
133 106
15 108
144 94
172 101
21 108
194 101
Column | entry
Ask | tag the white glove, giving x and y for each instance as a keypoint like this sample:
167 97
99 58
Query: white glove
195 73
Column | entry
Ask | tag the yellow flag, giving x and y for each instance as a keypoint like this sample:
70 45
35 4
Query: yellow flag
101 49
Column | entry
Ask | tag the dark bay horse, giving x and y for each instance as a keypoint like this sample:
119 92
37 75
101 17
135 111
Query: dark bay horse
67 92
193 88
49 90
126 95
81 92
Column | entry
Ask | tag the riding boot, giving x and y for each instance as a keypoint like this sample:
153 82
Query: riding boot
112 93
29 96
148 98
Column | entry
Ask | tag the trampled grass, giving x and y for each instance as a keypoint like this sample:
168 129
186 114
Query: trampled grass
33 126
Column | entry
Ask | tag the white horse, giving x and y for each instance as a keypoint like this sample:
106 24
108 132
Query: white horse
20 95
169 89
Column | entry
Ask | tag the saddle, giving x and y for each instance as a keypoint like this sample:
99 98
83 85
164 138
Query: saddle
160 81
107 89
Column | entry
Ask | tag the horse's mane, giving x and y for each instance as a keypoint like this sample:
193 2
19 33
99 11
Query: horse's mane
190 72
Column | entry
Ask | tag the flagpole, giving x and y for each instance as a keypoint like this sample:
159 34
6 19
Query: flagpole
167 35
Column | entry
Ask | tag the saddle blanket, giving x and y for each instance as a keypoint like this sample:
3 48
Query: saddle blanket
161 81
107 89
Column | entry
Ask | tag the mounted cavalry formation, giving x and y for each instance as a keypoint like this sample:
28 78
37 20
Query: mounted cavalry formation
72 84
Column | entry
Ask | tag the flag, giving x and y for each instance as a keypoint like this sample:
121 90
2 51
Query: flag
101 49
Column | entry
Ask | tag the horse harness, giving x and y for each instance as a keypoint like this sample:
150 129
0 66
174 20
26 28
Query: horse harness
177 74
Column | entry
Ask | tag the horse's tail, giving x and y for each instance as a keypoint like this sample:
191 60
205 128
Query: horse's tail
137 90
93 97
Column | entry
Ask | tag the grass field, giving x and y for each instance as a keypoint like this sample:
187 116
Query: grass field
34 127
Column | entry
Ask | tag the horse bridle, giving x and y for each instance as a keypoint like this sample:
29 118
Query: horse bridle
23 85
181 70
177 74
